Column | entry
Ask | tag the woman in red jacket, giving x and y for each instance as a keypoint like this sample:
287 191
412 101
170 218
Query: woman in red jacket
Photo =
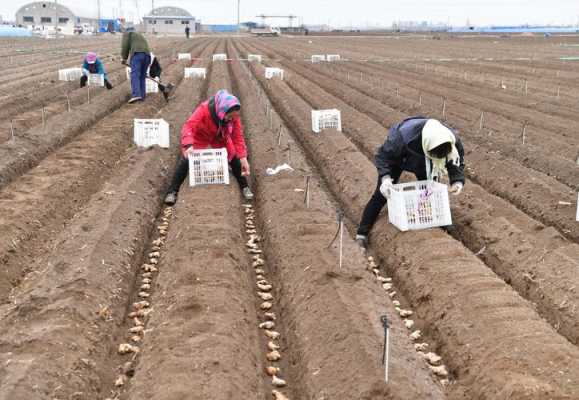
214 124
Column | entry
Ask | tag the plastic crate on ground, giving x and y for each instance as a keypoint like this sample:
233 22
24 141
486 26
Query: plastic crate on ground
577 216
316 58
150 132
69 74
419 205
96 80
220 57
333 57
196 73
273 72
183 56
208 167
151 86
254 57
326 119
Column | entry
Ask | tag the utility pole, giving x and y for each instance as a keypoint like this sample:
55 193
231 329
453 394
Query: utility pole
99 17
238 22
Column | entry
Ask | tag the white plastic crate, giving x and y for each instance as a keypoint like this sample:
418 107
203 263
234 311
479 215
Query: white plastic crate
208 167
333 57
577 216
69 74
419 205
196 73
220 57
183 56
326 119
96 80
254 57
273 72
150 132
316 58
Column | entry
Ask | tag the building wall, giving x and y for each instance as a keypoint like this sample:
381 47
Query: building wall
171 25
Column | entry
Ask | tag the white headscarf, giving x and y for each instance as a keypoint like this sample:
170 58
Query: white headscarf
433 135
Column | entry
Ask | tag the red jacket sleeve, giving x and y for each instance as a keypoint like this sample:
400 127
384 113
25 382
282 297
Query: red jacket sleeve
238 139
189 128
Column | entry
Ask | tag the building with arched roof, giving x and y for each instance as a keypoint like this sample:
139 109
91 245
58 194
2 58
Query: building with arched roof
47 15
171 20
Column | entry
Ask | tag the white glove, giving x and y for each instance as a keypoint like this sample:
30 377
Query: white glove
456 188
386 186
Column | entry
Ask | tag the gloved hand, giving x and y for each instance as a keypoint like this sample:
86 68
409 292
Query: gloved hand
187 150
386 185
456 188
245 171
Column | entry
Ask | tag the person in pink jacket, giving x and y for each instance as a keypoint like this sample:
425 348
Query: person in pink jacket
214 124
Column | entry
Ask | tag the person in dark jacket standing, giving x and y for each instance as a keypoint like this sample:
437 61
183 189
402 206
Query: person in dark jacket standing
423 146
214 124
136 48
187 31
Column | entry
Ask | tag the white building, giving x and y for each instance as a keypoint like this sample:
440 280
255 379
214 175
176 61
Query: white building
47 16
171 20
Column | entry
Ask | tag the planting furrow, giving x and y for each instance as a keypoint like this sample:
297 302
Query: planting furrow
311 283
42 200
26 150
536 260
483 328
204 292
528 190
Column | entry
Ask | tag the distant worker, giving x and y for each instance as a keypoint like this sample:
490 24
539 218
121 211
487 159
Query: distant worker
93 65
136 48
214 124
187 31
423 146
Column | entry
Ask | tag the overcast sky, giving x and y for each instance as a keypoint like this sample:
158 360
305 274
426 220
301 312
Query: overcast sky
344 13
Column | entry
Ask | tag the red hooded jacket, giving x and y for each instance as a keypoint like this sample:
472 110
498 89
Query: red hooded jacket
202 132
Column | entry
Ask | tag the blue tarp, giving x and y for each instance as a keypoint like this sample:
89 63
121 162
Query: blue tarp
14 32
220 28
104 24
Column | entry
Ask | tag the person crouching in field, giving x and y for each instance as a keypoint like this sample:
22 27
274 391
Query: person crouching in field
93 65
214 124
419 145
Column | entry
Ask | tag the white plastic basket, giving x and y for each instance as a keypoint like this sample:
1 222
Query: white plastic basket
150 132
254 57
96 80
419 205
196 73
273 72
316 58
333 57
183 56
69 74
220 57
208 167
326 119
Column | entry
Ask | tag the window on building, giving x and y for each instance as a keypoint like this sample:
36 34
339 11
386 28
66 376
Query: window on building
28 19
169 22
185 22
154 22
62 20
46 20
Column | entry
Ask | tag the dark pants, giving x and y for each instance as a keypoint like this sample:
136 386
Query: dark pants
139 65
183 170
84 80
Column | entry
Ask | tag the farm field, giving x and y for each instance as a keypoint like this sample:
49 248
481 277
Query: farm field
105 293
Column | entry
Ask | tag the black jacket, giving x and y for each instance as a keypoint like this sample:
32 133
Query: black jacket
402 151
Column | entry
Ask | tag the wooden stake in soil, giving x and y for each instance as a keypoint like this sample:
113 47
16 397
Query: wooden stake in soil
420 99
12 129
526 87
43 117
397 92
279 135
443 108
482 120
558 91
68 102
307 197
524 131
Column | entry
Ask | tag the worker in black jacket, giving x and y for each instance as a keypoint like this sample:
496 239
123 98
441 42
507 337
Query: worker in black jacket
423 146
